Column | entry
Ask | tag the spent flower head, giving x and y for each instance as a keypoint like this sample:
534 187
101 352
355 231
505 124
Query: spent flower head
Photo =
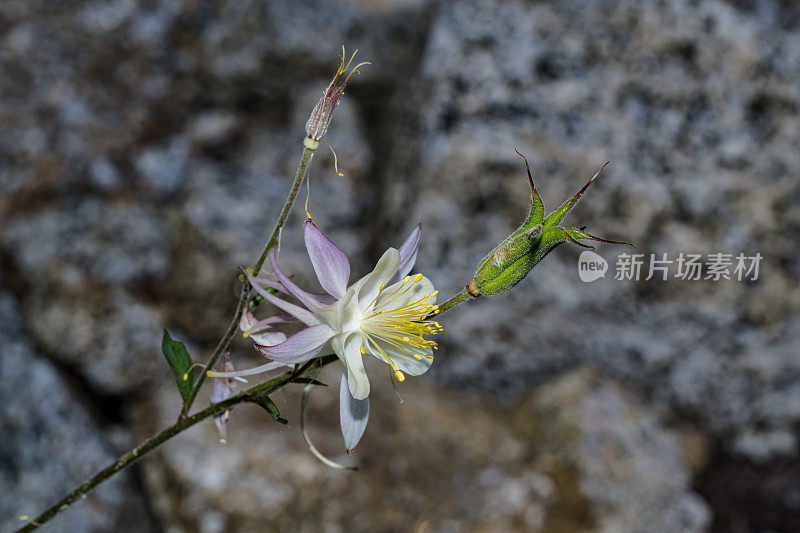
322 114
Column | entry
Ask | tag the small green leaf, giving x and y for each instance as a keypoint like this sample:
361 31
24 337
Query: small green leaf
181 363
257 299
266 402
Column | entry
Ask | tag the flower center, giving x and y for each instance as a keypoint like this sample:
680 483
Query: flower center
401 326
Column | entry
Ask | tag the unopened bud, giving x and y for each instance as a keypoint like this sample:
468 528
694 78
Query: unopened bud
322 114
512 259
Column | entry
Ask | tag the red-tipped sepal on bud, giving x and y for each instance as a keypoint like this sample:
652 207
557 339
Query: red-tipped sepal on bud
554 218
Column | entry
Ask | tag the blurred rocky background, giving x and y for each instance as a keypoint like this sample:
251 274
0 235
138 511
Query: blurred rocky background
146 146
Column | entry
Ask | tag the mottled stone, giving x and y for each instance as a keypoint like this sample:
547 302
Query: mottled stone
633 474
51 443
78 244
79 263
112 340
690 104
146 147
577 456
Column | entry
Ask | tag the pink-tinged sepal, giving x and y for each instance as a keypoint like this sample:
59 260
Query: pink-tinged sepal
330 263
311 301
300 347
408 254
262 331
303 315
353 415
222 389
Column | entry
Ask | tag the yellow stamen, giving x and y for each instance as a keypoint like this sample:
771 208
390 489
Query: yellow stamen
355 70
403 328
399 375
308 193
383 286
344 67
417 278
335 159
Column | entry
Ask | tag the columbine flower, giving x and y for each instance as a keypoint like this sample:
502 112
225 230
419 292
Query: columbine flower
322 114
384 314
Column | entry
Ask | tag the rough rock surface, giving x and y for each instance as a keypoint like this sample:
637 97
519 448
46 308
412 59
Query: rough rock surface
51 442
578 455
657 89
145 147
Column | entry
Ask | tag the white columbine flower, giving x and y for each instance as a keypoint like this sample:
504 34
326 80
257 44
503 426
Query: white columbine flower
384 314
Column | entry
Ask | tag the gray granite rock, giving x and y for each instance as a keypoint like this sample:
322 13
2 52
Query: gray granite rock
146 146
79 263
696 109
634 474
78 244
578 455
51 442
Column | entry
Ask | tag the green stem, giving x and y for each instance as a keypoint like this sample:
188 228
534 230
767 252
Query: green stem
222 345
149 445
459 298
273 240
184 420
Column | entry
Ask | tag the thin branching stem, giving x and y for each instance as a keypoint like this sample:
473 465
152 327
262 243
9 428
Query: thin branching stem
459 298
149 445
184 420
222 345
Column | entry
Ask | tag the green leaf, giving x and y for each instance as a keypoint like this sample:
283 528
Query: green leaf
269 406
257 299
181 363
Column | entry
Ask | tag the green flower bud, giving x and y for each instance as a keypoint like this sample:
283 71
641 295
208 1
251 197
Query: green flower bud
512 259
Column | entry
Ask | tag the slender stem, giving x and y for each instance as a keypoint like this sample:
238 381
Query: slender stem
459 298
273 240
149 445
184 420
222 345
